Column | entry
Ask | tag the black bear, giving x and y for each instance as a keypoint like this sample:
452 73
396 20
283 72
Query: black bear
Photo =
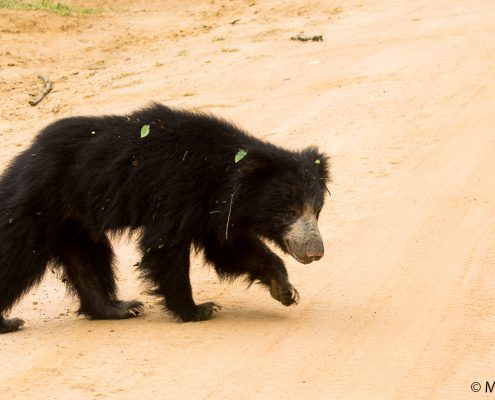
183 180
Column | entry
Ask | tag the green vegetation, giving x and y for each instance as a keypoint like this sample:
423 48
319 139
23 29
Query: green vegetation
240 155
145 130
48 5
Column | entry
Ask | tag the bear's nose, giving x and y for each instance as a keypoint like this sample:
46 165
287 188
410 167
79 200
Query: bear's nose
315 256
315 250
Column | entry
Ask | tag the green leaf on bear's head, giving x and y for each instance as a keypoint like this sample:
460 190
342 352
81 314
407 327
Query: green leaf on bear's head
317 161
240 155
144 131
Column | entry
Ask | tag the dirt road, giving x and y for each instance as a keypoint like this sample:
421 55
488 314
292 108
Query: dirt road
400 94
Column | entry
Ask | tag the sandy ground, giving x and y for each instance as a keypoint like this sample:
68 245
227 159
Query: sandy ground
401 94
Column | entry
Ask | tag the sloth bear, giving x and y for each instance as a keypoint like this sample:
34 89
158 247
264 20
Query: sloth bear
182 179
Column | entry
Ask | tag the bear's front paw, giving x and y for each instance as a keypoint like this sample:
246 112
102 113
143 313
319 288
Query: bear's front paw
132 308
202 312
205 311
284 292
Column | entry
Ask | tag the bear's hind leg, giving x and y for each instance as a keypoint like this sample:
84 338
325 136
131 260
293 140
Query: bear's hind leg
18 273
88 263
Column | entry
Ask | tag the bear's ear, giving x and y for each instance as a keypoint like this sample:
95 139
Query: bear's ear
320 161
255 166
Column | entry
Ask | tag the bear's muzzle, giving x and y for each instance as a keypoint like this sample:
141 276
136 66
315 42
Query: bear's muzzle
303 239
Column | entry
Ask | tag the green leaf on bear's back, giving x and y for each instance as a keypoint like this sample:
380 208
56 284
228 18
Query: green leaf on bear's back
317 161
240 155
144 131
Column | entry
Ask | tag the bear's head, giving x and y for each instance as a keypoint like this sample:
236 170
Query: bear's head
283 194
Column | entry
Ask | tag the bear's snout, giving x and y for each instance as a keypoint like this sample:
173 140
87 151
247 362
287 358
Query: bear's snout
304 241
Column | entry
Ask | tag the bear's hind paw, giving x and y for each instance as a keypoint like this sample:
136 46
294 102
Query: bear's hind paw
10 325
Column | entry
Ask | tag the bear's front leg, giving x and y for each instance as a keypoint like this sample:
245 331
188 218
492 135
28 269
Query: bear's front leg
168 269
275 276
249 255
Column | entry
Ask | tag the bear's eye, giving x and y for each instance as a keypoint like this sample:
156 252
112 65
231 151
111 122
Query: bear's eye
292 212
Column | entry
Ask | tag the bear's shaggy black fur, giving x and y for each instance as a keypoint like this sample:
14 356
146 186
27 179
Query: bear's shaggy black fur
85 177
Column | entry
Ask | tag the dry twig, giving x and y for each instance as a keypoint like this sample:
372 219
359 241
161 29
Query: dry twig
230 210
44 91
305 38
